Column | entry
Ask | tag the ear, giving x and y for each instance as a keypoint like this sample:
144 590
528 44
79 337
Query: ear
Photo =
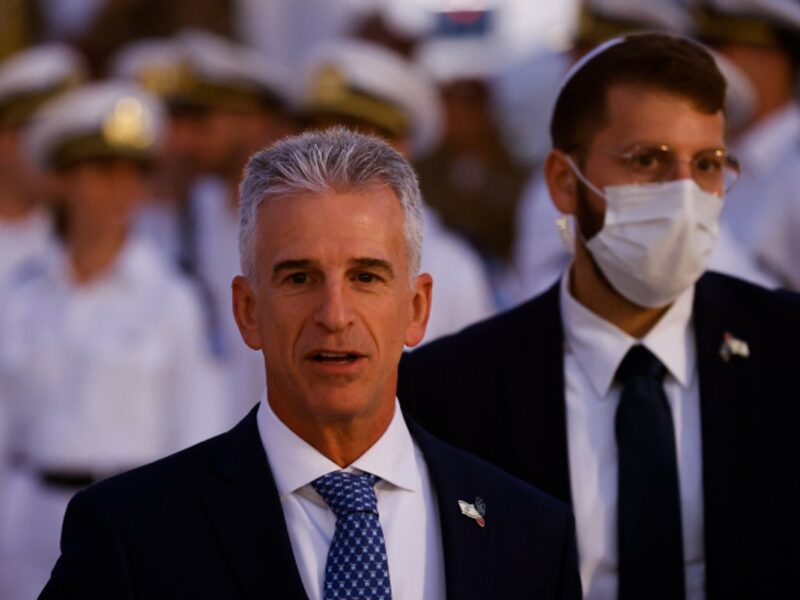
561 182
245 312
420 309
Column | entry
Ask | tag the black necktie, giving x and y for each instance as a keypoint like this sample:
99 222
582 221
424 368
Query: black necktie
650 540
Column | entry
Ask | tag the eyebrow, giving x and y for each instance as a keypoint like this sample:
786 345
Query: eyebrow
285 265
374 263
360 262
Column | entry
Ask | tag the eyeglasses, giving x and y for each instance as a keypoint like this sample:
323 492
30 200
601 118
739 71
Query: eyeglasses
714 170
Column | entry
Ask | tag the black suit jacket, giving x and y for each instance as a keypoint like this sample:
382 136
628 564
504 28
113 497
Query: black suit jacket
497 389
207 523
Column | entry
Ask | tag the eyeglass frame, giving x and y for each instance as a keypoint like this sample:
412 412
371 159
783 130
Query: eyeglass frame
731 162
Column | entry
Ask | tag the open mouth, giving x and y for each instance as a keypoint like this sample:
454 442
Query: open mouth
335 358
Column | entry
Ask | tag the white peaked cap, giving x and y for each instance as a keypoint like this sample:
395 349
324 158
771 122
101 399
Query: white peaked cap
384 75
449 60
40 70
219 60
113 118
137 58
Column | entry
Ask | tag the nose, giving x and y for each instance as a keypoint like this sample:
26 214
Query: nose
334 312
683 169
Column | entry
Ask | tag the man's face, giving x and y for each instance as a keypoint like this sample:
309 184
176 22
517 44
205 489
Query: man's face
333 306
210 140
102 192
641 117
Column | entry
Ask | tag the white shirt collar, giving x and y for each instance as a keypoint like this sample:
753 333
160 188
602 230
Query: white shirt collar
761 148
600 346
295 463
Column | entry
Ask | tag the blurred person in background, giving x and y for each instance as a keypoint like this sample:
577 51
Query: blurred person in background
224 103
27 80
159 65
762 37
471 179
540 255
371 89
103 362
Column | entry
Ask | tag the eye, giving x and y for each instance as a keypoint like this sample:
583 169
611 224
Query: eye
297 278
709 163
366 277
646 159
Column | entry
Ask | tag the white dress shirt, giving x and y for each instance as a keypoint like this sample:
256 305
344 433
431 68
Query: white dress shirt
406 505
593 350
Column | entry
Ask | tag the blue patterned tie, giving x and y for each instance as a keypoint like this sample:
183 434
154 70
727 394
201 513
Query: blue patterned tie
357 566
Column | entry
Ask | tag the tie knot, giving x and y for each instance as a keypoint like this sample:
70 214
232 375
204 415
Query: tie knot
348 493
640 362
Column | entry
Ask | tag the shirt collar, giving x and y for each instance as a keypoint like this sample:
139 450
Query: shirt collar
295 463
600 346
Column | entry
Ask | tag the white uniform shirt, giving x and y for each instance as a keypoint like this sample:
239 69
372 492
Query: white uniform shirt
407 506
768 152
777 245
593 350
461 291
106 375
22 240
218 263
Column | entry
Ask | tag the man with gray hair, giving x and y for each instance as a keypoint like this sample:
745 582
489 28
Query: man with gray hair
326 490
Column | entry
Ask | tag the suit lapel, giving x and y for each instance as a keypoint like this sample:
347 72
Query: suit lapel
243 504
536 409
468 548
724 387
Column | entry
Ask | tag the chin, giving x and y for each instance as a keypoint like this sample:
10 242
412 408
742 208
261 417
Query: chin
344 402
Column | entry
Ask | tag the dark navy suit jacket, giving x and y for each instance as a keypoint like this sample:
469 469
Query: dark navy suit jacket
496 389
207 523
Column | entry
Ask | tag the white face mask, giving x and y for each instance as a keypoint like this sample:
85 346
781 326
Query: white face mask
657 238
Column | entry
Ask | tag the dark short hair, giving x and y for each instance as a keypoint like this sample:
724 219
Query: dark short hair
660 62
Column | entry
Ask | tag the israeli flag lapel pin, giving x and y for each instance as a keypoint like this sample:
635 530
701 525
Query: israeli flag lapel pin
475 511
732 346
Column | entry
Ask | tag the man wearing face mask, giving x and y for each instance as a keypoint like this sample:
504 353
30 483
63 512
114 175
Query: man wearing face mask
658 399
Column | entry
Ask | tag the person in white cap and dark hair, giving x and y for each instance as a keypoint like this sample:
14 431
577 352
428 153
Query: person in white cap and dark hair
225 102
658 398
374 90
762 37
27 80
103 362
539 255
159 65
471 178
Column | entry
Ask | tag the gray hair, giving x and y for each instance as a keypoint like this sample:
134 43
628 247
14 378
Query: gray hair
320 162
